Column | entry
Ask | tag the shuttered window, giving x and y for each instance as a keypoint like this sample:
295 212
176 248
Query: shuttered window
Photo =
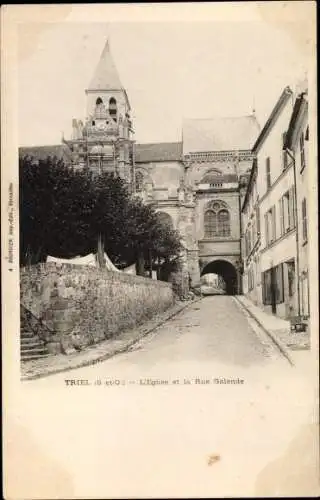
302 152
287 211
292 208
273 223
284 153
304 220
268 173
281 217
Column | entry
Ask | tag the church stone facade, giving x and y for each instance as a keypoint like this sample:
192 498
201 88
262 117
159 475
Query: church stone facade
197 185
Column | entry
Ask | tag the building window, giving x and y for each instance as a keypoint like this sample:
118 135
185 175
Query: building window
284 152
93 123
217 220
210 224
270 225
224 223
287 215
268 173
113 108
139 181
211 177
98 101
286 212
302 152
304 220
281 217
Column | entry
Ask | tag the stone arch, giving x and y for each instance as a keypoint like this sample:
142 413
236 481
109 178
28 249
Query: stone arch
228 272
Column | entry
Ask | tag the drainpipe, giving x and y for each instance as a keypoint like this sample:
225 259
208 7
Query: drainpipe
297 224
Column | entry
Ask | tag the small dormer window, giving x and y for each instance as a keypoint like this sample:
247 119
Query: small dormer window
113 108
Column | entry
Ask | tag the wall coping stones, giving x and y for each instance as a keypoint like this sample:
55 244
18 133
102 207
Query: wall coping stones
93 271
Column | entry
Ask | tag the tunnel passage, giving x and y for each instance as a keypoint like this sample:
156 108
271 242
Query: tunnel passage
227 271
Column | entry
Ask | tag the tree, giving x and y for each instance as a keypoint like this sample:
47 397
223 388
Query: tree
65 213
55 210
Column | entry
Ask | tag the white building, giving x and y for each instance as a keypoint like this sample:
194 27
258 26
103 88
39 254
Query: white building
269 218
297 146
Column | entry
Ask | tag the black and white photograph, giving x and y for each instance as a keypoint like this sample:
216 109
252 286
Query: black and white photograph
160 250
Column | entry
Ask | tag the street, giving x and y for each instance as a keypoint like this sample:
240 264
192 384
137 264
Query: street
213 331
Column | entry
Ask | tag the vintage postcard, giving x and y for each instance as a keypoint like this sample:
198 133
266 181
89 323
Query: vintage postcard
160 250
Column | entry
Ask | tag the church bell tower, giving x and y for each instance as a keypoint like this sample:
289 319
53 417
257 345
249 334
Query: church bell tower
104 142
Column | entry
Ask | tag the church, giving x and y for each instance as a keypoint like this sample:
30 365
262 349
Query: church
197 185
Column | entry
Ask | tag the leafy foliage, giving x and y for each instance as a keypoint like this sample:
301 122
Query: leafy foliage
66 213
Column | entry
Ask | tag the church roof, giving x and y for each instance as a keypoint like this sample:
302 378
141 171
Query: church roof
160 151
219 134
106 76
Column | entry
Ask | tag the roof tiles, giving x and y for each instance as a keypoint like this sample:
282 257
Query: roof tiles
161 151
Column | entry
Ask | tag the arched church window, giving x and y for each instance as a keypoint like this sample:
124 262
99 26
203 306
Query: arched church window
210 177
224 222
113 108
210 224
216 220
139 181
98 101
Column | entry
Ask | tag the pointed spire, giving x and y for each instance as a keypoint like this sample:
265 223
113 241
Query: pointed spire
106 75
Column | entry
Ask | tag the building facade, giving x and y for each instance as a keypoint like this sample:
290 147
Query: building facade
297 147
197 184
274 212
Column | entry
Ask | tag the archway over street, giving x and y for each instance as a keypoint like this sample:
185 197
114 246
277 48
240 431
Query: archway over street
227 271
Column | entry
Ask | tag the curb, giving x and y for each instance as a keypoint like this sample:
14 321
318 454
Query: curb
104 357
284 351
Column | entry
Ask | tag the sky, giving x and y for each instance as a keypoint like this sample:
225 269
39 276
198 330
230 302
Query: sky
171 71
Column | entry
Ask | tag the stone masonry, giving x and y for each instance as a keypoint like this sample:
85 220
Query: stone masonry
84 305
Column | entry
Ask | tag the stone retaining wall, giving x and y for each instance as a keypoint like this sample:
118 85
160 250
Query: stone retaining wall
84 305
